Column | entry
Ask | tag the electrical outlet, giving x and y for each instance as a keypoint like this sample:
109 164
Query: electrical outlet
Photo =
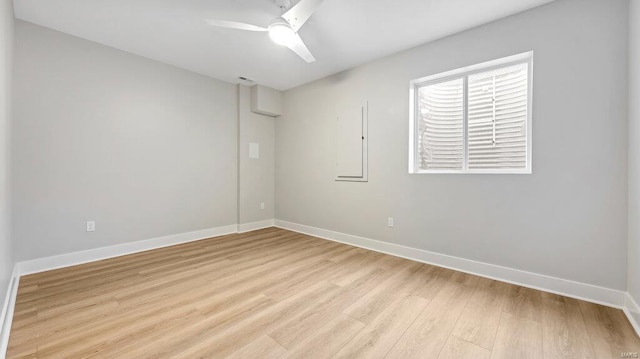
390 222
91 226
262 205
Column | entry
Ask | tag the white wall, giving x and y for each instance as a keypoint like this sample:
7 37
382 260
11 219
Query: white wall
568 219
142 148
6 56
255 176
634 153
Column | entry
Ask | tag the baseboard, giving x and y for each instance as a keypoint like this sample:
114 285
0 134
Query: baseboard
92 255
583 291
632 310
247 227
6 317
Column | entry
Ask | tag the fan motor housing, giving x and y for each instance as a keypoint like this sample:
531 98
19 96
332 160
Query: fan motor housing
283 4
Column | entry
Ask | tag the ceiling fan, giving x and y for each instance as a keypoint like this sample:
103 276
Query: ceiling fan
282 30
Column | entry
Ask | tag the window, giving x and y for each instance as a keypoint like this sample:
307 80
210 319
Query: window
473 120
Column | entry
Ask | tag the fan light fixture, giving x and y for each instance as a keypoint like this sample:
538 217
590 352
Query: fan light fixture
281 33
282 30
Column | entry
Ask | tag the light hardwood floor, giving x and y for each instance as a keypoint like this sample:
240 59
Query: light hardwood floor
273 293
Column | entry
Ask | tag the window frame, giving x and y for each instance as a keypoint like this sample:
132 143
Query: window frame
464 73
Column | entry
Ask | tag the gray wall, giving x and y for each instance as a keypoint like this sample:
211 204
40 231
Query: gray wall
256 177
634 153
6 56
568 219
142 148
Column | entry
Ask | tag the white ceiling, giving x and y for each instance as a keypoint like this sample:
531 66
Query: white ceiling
341 34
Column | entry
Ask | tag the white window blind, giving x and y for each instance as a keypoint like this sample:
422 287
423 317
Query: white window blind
441 125
473 120
497 118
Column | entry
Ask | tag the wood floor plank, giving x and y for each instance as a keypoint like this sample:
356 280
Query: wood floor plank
121 344
479 321
264 347
608 330
463 278
24 343
429 332
356 267
518 337
525 303
193 332
564 332
375 340
24 318
300 279
291 332
329 339
456 348
277 293
430 280
220 343
370 305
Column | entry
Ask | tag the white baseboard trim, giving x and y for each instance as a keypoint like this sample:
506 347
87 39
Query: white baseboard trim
252 226
6 317
587 292
632 310
92 255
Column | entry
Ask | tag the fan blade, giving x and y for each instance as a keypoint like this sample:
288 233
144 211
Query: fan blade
236 25
300 49
300 13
